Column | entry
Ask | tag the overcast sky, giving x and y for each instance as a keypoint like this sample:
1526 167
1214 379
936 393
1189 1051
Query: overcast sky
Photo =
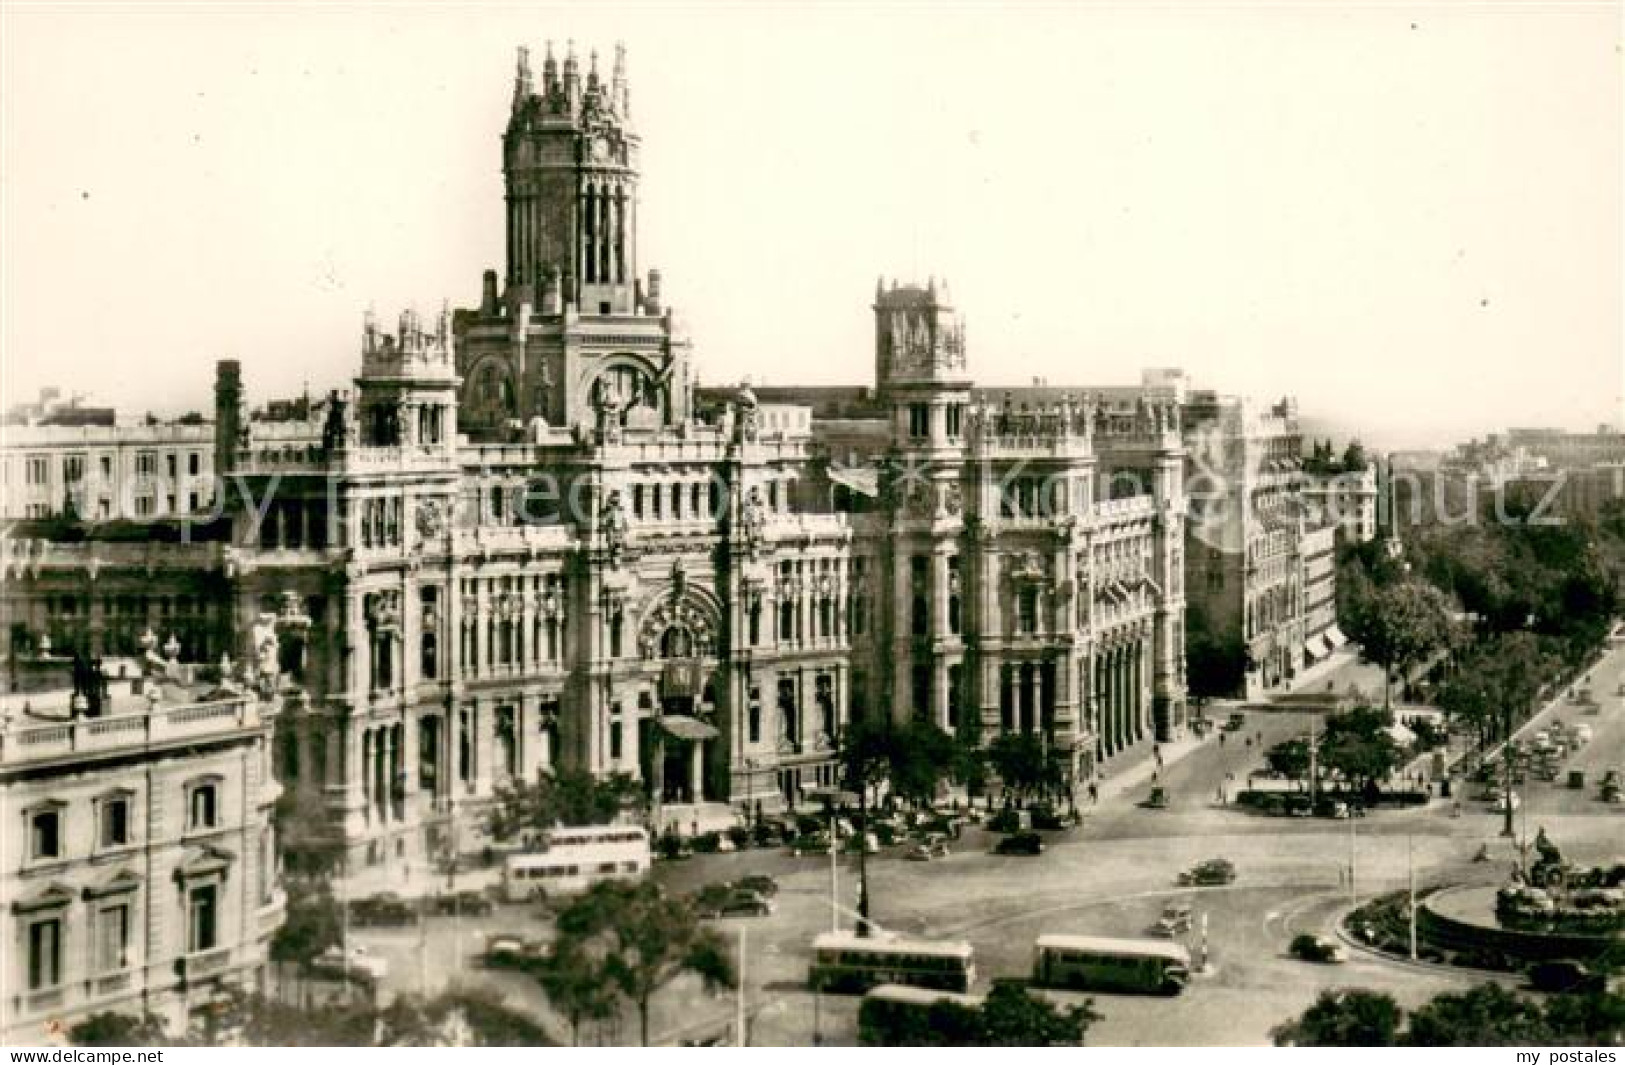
1409 216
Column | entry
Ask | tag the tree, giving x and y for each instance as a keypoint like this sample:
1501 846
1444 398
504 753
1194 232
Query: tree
460 1016
1023 766
1353 1018
1486 1015
1596 1019
567 797
1400 626
1008 1017
1356 745
314 922
1354 460
574 981
1013 1018
645 941
1289 759
1494 685
119 1030
919 759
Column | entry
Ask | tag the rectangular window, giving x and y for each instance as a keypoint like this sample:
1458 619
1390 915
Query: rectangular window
194 462
146 463
203 916
755 715
38 469
955 415
919 420
44 954
115 822
73 469
922 692
172 464
113 938
107 467
46 834
615 740
201 808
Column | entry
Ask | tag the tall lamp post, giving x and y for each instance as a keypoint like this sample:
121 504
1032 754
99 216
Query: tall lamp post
1506 769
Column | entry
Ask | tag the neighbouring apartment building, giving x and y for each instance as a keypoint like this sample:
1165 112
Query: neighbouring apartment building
137 858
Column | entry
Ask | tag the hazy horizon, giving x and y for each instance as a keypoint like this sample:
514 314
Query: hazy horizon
1406 216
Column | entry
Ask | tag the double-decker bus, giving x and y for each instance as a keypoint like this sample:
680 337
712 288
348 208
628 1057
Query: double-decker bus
845 962
1100 963
573 859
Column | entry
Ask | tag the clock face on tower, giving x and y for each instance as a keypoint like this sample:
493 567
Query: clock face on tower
600 149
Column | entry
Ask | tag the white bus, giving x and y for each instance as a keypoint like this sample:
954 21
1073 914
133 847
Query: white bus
573 859
850 963
1099 963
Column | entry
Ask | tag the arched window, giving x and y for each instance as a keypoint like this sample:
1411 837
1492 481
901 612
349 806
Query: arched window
676 643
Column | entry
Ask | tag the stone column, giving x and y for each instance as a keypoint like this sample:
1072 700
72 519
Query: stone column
696 770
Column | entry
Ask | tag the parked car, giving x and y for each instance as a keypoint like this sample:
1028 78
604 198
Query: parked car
1235 722
386 910
1048 819
1009 820
465 904
1566 977
1020 843
1320 949
927 850
760 883
746 904
1211 872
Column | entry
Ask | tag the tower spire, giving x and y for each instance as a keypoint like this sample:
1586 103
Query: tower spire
550 71
522 87
618 88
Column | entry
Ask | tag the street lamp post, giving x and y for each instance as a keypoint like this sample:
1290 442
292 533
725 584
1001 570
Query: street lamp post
1506 770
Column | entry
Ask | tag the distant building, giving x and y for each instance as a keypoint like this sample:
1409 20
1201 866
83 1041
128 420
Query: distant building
52 409
1569 450
1260 543
99 473
137 862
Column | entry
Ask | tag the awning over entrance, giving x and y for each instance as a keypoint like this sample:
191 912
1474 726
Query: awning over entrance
687 728
866 482
681 678
1311 651
1337 637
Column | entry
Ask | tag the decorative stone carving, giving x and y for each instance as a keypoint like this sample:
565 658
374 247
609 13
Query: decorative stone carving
613 524
753 521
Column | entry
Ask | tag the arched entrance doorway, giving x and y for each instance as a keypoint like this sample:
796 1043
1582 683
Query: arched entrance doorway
679 734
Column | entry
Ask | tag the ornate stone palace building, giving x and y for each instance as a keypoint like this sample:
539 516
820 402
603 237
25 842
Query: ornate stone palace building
527 539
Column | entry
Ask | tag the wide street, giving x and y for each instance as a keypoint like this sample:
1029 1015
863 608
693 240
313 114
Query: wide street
1113 875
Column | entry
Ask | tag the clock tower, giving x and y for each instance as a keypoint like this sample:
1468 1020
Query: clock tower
570 337
570 159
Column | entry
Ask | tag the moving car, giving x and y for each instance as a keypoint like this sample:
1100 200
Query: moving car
1211 872
1566 977
1175 919
1317 949
1020 843
1235 722
356 962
